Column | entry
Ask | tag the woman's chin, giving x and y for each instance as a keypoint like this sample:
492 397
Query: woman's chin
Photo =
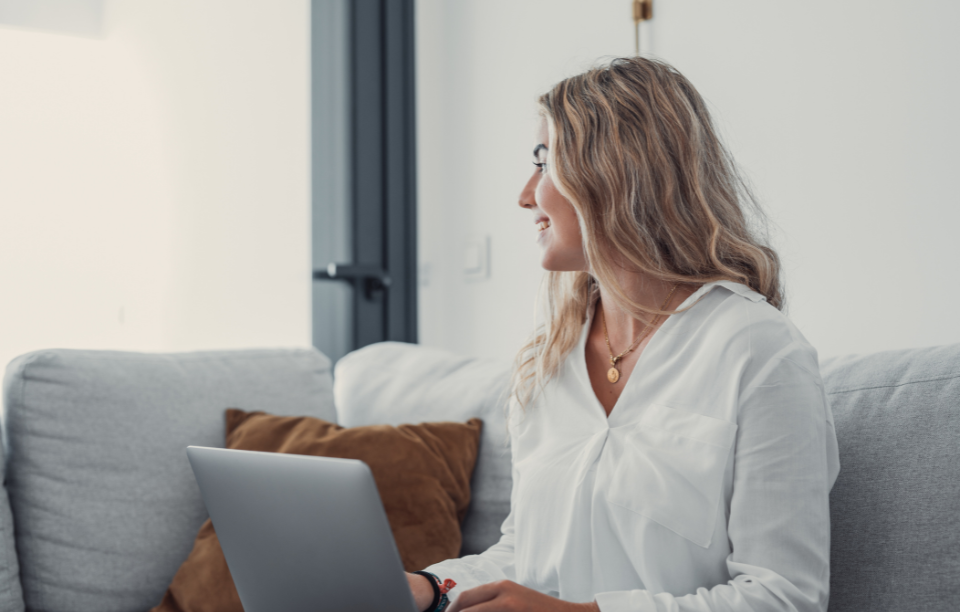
552 263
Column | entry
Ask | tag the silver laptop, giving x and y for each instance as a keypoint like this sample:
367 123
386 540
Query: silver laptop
302 533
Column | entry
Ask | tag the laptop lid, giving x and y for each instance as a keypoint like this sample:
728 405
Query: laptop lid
301 533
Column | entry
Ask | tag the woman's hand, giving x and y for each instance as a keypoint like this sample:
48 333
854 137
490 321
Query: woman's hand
422 590
508 596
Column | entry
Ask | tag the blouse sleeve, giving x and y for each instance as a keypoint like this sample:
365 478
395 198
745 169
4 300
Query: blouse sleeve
785 463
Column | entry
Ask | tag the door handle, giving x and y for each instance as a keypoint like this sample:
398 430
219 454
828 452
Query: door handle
373 279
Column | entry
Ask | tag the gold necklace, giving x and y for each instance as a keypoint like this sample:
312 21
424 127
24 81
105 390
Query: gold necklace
613 374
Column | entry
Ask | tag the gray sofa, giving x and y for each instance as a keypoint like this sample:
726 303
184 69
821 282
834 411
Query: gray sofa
99 505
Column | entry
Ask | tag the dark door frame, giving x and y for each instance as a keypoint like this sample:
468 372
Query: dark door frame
383 173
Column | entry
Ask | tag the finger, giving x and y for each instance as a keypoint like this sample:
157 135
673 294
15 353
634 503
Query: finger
474 596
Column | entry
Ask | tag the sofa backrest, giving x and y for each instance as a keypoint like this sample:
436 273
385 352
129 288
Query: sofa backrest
895 508
105 506
394 383
11 595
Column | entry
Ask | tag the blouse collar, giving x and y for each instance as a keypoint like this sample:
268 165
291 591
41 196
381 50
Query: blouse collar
738 288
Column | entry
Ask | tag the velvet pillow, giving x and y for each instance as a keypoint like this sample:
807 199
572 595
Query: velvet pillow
422 474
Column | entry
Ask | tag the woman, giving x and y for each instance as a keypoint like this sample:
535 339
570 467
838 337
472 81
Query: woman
673 448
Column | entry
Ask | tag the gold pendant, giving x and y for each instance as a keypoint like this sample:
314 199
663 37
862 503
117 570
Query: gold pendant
613 375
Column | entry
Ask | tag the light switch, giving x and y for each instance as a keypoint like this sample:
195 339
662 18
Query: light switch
425 273
476 258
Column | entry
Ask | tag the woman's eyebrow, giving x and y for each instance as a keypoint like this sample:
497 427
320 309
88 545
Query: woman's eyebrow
537 150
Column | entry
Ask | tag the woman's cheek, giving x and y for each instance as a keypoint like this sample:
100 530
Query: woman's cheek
546 194
538 193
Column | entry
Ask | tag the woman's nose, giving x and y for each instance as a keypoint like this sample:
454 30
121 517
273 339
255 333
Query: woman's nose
527 199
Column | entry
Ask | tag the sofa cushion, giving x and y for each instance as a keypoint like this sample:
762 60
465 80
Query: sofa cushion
895 508
11 596
394 383
104 502
422 473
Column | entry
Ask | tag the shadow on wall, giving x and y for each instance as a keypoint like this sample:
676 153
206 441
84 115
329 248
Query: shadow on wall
78 17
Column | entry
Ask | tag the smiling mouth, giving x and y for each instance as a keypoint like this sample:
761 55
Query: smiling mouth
543 225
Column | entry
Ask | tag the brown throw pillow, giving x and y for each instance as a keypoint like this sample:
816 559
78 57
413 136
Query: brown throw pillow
422 474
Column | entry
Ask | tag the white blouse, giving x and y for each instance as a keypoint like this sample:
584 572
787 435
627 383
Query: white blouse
705 489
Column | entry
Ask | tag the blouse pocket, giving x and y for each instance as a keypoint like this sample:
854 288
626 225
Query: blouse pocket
668 466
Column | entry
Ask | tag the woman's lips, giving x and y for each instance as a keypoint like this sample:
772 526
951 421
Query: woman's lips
542 228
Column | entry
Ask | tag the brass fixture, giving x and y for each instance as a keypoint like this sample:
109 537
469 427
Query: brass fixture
642 11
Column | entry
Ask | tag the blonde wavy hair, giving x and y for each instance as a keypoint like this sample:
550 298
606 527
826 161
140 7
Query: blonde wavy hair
633 148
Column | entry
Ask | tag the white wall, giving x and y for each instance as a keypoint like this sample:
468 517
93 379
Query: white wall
842 115
480 68
154 183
